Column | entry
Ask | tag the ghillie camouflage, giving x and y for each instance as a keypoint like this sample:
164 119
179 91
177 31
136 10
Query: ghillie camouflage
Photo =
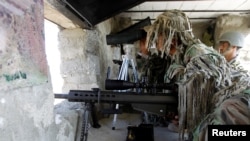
204 77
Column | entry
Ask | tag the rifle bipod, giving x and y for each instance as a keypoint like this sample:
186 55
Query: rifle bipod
89 108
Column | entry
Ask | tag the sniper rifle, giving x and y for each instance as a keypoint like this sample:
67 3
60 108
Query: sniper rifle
152 101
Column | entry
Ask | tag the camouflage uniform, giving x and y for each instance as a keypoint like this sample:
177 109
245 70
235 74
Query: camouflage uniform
237 69
208 85
234 110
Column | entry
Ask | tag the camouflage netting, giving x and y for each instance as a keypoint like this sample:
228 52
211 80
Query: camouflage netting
203 75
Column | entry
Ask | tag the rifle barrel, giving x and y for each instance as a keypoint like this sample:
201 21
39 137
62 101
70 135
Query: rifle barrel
61 96
118 97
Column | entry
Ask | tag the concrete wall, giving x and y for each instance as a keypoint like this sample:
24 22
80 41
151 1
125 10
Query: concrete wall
85 58
26 97
231 22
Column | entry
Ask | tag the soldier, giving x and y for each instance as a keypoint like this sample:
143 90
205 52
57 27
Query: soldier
234 110
203 75
230 44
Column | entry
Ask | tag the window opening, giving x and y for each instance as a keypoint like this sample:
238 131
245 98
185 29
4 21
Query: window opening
53 57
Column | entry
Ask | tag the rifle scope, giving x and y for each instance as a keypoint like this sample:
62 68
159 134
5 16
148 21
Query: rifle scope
123 85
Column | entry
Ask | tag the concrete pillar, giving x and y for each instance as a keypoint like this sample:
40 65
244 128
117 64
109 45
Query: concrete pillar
26 98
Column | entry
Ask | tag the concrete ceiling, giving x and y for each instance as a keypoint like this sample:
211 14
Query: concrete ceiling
197 10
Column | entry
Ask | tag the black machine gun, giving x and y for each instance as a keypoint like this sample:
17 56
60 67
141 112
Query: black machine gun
152 101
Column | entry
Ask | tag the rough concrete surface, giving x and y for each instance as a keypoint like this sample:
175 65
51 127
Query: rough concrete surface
105 133
69 120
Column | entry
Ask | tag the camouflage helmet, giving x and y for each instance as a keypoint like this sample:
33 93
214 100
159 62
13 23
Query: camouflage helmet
170 24
234 38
